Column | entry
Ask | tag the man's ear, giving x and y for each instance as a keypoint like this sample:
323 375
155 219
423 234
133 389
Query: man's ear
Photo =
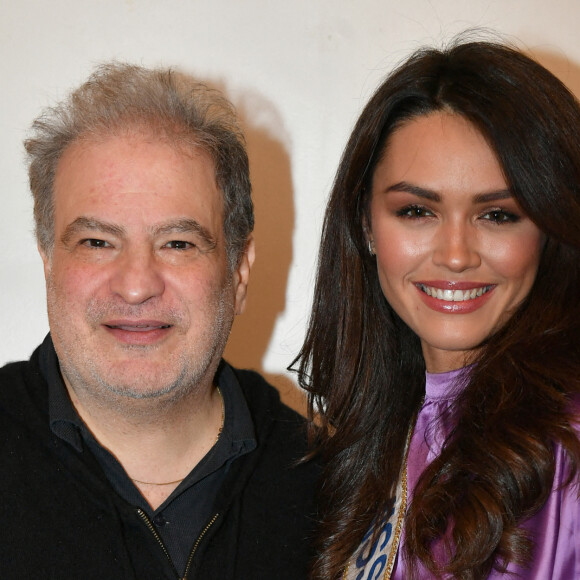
46 261
242 276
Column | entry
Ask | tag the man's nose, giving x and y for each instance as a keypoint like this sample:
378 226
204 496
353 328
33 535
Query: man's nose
136 277
456 246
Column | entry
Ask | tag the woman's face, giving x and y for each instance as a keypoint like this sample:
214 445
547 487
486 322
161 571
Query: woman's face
455 253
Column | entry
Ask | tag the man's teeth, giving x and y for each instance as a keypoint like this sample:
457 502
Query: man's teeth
454 295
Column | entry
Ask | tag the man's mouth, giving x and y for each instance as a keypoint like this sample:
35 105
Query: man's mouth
138 327
138 332
450 295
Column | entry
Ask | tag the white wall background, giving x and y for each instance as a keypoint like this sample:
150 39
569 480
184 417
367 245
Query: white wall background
299 72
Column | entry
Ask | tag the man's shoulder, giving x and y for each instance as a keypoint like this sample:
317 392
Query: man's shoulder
277 487
281 432
22 387
264 399
14 370
20 370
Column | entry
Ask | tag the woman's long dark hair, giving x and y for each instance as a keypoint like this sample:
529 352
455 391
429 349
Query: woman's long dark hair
363 367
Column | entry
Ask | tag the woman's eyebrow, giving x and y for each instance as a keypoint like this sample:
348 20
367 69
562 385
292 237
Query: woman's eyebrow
493 196
415 190
432 195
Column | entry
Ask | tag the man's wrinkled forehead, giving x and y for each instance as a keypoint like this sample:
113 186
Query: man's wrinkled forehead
182 143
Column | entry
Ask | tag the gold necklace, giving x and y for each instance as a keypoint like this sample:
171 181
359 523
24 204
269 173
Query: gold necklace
401 514
154 483
216 440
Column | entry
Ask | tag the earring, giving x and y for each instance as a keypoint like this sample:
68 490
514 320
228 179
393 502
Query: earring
371 247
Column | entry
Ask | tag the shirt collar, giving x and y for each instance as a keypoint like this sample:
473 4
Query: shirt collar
238 424
66 424
64 420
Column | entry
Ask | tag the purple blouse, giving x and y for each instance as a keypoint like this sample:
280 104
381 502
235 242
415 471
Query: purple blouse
555 529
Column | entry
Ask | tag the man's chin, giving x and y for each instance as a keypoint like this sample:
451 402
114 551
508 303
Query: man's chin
115 376
140 379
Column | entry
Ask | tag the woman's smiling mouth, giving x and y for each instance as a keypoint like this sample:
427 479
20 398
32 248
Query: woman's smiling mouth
457 295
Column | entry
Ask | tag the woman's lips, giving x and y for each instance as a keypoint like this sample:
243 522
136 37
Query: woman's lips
454 297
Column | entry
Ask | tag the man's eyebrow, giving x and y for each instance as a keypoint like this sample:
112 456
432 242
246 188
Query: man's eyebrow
84 223
185 226
179 226
436 197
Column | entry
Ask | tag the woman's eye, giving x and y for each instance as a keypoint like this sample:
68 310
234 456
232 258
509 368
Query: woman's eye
414 211
179 245
500 216
95 243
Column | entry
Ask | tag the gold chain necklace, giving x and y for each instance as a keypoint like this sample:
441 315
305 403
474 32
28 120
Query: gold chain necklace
216 440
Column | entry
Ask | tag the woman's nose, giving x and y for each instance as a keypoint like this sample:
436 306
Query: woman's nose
455 247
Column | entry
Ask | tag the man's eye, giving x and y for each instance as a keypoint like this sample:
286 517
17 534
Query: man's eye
179 245
500 216
95 243
414 211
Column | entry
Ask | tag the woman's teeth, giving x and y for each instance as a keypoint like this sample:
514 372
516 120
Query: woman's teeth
454 295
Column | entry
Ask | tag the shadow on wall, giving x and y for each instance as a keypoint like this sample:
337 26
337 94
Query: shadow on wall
274 215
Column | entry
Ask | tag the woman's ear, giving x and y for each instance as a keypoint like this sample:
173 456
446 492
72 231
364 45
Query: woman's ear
368 237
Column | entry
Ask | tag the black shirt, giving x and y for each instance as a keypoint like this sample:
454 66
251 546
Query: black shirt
184 514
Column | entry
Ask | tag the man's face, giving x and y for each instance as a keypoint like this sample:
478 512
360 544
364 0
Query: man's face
140 298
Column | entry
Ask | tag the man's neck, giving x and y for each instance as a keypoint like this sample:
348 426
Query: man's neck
157 443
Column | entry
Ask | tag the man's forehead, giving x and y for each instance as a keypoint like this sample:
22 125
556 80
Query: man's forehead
181 141
136 170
